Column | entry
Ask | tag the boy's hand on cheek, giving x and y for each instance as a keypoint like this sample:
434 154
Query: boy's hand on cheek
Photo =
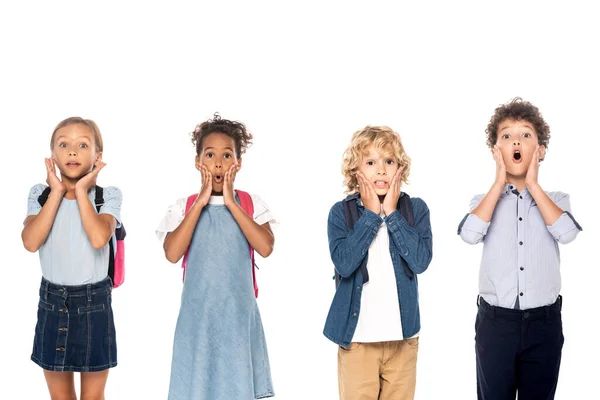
228 193
368 195
206 189
531 179
56 185
500 166
390 202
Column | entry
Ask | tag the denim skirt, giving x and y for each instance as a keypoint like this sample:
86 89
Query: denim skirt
75 330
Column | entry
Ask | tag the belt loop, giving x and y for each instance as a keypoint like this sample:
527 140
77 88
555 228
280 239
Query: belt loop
46 290
89 293
559 303
478 297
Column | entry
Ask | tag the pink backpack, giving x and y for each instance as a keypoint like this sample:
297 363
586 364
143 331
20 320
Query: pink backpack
248 206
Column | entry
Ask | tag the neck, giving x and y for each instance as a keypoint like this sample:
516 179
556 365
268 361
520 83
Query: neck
517 181
70 184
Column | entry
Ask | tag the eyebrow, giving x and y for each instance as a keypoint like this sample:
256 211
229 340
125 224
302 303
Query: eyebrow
525 126
224 148
64 137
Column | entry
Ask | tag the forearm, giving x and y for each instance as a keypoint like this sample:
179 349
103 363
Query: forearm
177 242
486 207
36 229
97 229
414 243
549 210
259 236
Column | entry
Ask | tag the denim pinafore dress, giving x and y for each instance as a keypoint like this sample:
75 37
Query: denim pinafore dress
220 351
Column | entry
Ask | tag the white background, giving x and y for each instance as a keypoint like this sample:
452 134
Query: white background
303 77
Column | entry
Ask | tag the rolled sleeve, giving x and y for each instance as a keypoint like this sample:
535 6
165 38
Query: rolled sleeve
565 229
473 229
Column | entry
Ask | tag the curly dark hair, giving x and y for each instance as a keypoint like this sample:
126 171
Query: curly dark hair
234 129
518 109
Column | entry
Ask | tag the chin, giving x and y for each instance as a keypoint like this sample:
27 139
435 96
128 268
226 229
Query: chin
381 192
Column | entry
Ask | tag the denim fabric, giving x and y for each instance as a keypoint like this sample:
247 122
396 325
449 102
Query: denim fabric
220 351
410 246
75 330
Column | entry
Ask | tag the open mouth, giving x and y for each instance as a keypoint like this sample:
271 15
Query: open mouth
218 178
517 157
381 184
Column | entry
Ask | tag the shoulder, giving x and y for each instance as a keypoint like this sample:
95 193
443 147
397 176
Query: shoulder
476 200
112 192
337 210
418 203
557 196
37 190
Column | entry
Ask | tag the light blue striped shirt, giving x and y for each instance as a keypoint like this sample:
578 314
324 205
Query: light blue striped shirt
520 266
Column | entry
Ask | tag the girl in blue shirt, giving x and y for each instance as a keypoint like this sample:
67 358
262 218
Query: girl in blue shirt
75 330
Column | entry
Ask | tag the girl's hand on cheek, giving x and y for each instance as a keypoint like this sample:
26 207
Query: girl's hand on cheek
56 185
206 189
228 191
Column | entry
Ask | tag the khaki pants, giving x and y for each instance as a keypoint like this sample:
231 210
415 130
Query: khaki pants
381 370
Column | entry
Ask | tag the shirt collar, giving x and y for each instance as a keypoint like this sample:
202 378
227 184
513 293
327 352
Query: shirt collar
357 197
511 190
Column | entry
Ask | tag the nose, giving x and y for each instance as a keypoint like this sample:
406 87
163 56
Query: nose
381 169
72 152
517 143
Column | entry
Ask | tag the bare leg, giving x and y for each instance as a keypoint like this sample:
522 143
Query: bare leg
93 384
61 385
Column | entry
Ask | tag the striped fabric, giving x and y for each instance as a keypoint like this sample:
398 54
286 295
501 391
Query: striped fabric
520 266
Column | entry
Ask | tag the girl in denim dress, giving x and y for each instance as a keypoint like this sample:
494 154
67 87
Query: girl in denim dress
75 330
220 351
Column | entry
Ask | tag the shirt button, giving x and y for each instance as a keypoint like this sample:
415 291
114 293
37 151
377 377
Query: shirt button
520 197
521 243
526 315
522 268
511 186
62 329
358 288
355 314
60 349
520 219
521 294
63 310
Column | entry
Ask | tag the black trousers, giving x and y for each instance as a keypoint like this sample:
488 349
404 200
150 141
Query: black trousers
518 351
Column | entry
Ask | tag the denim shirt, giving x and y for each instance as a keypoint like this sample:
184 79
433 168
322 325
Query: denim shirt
410 246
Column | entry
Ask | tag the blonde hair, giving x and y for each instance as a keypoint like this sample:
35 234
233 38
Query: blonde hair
384 140
78 120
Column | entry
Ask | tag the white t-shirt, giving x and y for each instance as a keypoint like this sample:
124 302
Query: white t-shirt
176 213
379 317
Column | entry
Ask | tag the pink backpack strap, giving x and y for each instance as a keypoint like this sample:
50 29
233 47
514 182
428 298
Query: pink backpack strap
189 203
248 206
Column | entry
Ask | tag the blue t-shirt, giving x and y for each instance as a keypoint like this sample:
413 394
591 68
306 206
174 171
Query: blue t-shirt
67 257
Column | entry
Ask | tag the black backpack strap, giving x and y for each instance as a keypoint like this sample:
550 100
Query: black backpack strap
406 210
99 200
44 196
351 216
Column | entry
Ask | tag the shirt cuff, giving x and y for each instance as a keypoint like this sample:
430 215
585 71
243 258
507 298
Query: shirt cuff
563 225
475 224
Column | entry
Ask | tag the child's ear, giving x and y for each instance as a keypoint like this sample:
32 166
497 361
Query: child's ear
98 157
542 152
198 163
239 161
